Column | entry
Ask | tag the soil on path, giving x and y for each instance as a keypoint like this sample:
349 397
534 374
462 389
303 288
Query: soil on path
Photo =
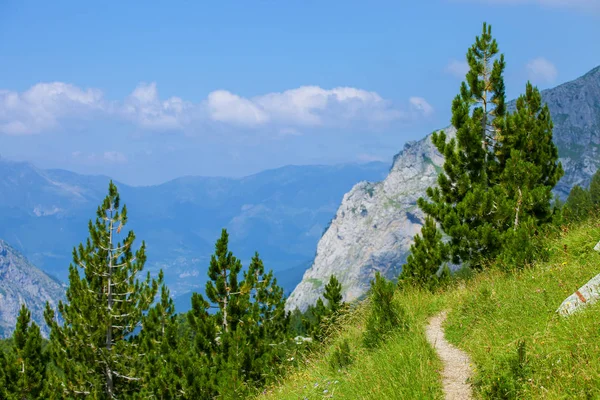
456 362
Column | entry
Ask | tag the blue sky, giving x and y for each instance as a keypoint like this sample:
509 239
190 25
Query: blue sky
149 91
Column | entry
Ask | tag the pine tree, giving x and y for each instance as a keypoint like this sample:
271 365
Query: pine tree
427 253
25 368
578 204
462 203
160 343
313 320
242 344
595 189
384 317
499 170
532 170
333 294
199 369
93 350
222 289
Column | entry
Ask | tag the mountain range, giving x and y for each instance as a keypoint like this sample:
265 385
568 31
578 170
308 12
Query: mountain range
280 213
375 224
284 213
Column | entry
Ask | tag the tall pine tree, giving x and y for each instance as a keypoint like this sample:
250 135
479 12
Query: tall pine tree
94 350
462 203
500 168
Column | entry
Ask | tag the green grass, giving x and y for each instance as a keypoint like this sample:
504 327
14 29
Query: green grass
506 322
497 311
403 367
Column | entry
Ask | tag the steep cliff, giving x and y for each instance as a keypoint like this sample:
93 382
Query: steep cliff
373 228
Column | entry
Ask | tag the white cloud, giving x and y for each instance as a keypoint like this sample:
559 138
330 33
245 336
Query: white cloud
541 70
43 105
144 107
457 68
224 106
314 106
421 105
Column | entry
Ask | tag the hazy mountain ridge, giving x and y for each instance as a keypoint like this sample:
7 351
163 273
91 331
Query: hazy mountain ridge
353 249
280 213
21 282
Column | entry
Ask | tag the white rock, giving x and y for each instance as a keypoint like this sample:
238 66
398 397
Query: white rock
373 227
587 294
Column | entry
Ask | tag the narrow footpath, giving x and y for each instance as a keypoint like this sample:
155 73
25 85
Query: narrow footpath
456 362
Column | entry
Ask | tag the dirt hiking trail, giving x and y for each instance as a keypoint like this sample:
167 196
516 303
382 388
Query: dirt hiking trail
456 362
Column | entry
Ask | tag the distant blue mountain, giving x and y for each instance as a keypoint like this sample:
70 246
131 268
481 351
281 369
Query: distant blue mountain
280 213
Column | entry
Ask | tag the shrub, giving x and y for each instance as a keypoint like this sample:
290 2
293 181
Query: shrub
384 316
342 356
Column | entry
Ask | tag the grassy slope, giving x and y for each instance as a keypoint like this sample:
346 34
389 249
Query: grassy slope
402 367
489 315
496 311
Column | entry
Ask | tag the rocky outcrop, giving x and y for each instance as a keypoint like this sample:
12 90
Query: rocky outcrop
373 228
575 110
376 222
23 283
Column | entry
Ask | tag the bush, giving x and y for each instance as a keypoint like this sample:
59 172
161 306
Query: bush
341 357
384 316
522 247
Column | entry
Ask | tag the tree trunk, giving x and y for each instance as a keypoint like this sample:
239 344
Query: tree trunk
109 374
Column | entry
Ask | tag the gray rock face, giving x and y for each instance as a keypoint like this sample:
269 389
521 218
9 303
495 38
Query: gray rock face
21 282
373 228
376 222
575 110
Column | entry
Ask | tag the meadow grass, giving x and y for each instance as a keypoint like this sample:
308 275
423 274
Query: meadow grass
403 366
506 322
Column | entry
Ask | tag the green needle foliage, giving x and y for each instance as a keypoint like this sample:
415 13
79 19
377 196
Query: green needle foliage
578 205
595 189
24 369
320 317
160 342
384 317
242 345
499 170
463 203
333 294
427 254
94 351
3 369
